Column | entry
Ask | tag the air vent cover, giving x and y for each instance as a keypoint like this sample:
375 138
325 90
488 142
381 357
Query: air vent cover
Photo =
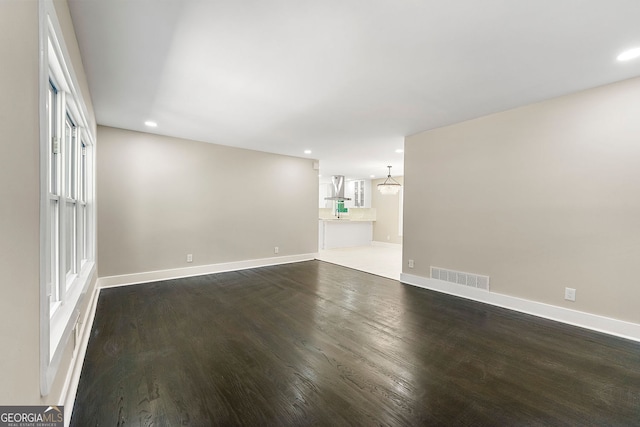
461 278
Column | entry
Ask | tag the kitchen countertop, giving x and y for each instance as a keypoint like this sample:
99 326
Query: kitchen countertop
353 215
347 219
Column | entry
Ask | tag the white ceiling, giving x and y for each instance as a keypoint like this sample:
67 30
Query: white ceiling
348 79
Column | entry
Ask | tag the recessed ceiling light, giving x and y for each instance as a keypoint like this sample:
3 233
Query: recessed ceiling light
151 124
399 150
630 54
307 151
372 176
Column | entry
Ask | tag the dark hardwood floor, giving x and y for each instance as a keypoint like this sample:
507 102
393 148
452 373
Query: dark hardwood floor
313 343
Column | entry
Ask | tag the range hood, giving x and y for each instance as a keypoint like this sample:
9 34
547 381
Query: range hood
337 189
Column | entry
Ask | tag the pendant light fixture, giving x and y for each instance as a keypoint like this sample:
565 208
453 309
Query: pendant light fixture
389 186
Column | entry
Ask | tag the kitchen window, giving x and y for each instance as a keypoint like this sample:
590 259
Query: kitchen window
358 198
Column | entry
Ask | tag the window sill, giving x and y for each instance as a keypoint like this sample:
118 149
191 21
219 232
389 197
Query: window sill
65 317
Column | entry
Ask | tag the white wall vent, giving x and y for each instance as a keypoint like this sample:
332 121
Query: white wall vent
466 279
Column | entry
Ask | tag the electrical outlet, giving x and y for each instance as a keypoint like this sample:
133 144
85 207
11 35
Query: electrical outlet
276 249
189 257
411 263
569 294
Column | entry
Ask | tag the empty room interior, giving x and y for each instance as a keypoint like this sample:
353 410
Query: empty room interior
321 213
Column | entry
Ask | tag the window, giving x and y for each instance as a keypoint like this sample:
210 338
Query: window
67 213
359 194
68 208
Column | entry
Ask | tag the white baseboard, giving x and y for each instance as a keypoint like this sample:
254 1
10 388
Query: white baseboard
177 273
594 322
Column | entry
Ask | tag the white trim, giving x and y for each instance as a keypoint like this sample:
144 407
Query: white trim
63 321
63 71
72 380
581 319
177 273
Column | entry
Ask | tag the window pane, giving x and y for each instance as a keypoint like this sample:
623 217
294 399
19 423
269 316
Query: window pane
82 179
52 133
53 262
70 239
82 226
70 156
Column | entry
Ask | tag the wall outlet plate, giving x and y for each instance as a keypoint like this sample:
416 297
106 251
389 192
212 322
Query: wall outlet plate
189 257
411 263
569 294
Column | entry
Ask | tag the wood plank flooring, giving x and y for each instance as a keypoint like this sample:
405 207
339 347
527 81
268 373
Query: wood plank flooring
313 343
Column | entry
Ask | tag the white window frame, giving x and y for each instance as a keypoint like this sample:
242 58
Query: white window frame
67 231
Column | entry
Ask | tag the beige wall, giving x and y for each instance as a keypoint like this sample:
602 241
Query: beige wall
161 198
539 198
19 215
385 229
20 194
